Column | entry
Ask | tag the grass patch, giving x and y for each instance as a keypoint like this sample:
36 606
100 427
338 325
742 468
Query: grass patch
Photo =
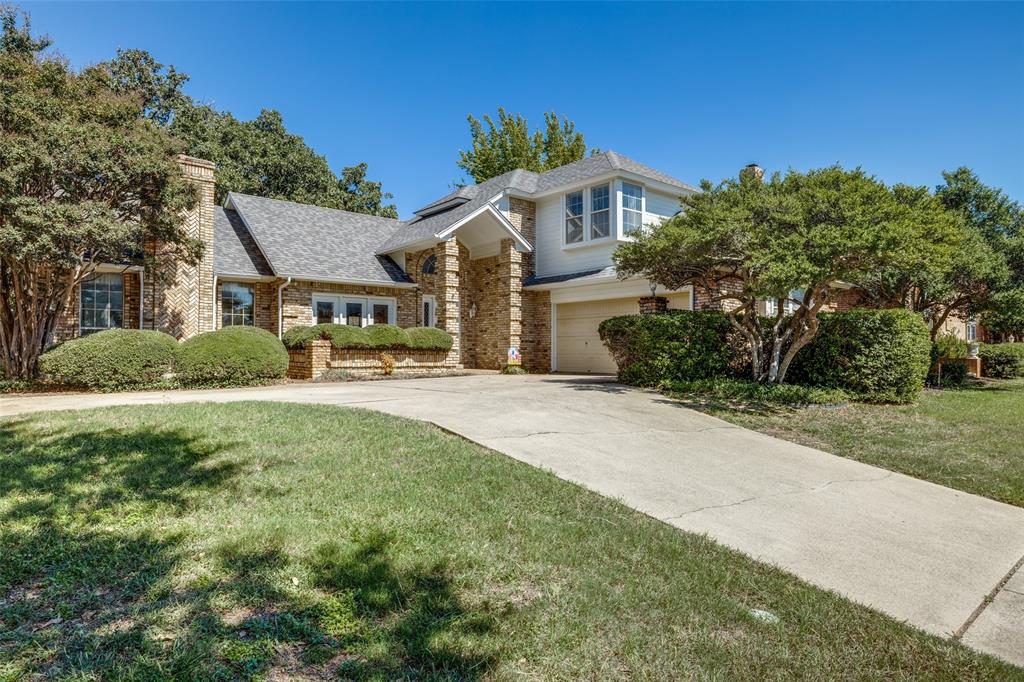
749 395
967 438
261 540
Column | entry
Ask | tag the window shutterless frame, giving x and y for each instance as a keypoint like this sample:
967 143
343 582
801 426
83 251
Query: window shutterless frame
632 207
359 311
101 303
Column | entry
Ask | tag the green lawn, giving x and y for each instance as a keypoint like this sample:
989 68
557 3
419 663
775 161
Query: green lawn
971 439
257 540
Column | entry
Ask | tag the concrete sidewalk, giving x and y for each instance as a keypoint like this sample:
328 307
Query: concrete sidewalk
940 559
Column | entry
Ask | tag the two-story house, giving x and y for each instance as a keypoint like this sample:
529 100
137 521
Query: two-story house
521 261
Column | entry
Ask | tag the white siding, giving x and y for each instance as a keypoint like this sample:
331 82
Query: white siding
551 258
660 206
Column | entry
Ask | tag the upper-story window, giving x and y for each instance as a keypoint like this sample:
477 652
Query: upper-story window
600 212
632 207
574 217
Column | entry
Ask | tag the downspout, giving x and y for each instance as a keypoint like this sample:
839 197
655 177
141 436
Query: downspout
280 310
142 297
216 298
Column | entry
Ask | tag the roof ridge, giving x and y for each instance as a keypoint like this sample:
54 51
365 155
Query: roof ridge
325 208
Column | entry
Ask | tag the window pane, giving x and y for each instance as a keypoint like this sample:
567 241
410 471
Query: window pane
380 313
599 225
426 313
324 312
599 198
236 304
574 230
632 197
354 314
573 204
631 220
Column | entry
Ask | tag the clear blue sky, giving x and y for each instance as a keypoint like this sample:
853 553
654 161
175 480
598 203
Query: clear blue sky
695 90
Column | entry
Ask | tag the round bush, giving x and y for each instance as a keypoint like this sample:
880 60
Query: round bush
340 335
680 345
386 336
112 359
877 355
429 338
232 356
1002 360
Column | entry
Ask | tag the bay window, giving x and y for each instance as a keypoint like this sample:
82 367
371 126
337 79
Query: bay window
574 217
102 303
632 207
600 212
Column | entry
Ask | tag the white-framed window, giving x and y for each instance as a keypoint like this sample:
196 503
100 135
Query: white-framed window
632 207
360 311
574 217
101 303
236 305
600 212
429 312
790 305
971 330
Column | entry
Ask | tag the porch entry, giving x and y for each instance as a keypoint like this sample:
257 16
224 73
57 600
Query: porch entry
358 311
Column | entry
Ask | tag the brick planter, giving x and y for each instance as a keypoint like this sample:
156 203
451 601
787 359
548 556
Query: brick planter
319 356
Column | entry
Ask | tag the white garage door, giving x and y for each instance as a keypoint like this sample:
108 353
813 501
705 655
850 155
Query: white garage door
580 349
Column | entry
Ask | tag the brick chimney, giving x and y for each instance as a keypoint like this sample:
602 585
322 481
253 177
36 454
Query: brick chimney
179 297
753 170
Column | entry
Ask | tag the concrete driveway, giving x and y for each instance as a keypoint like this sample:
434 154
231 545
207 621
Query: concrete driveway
938 558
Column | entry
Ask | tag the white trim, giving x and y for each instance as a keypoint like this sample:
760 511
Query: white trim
107 268
142 297
600 291
432 300
493 210
554 337
656 185
367 302
357 282
244 278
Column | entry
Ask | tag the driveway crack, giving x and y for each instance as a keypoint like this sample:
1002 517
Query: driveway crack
988 599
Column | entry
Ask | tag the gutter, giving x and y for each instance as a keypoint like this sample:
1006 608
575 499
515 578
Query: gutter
280 310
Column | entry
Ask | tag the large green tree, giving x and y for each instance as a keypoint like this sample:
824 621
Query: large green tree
83 180
505 145
259 157
748 240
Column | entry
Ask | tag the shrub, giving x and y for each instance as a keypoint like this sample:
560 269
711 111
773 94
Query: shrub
429 338
111 360
680 345
876 355
750 392
513 369
1002 360
387 364
232 356
386 336
952 374
950 346
340 335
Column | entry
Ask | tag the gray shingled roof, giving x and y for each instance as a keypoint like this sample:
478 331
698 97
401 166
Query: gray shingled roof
586 275
234 252
424 228
312 242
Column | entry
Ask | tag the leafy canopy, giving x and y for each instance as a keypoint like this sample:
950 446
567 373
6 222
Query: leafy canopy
83 180
259 157
504 146
748 239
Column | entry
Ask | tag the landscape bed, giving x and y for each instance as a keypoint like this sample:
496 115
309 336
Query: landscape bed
262 540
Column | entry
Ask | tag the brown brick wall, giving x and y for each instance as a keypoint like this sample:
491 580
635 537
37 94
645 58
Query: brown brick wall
536 335
702 298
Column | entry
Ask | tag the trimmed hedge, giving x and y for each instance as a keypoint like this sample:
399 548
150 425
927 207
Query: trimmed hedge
680 345
114 359
1002 360
376 336
429 338
231 356
875 355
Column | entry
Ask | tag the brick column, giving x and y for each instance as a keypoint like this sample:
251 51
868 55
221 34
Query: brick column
653 305
510 277
448 303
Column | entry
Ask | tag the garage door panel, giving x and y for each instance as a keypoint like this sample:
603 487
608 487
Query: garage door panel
579 347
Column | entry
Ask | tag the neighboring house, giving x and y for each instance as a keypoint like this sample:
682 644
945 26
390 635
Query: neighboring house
520 261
